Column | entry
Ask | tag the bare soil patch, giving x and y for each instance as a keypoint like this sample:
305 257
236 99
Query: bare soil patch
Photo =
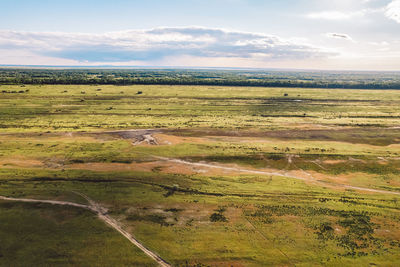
20 162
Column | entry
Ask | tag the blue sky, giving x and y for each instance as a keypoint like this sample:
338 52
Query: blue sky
306 34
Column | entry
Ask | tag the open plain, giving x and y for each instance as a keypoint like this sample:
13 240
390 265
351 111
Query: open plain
199 175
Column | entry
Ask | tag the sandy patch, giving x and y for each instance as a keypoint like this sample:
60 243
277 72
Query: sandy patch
20 162
164 139
333 161
388 230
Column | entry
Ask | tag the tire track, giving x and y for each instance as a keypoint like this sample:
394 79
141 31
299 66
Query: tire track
102 215
285 175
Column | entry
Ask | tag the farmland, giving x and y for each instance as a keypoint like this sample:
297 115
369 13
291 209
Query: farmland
201 175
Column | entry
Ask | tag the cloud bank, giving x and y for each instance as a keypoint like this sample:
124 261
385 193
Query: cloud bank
156 44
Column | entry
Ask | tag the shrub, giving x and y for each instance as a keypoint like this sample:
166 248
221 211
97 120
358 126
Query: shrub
218 217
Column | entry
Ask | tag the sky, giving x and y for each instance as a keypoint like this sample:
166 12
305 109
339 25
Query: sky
283 34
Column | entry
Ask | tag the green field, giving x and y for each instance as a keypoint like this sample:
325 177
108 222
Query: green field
228 176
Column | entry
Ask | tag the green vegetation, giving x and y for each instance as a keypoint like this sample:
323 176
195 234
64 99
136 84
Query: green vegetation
43 235
63 108
307 79
234 176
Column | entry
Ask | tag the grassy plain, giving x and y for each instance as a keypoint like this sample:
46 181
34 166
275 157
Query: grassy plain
278 184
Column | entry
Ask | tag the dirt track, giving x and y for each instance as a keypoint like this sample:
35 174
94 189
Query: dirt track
309 179
102 214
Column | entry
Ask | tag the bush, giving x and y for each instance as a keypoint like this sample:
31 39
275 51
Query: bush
218 217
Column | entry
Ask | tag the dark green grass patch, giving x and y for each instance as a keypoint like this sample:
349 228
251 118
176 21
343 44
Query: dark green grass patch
45 235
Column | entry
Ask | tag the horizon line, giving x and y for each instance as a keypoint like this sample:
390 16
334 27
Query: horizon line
21 66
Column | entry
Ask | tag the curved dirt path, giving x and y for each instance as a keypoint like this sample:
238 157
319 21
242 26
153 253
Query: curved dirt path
311 179
102 214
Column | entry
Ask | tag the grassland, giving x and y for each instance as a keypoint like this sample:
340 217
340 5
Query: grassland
239 176
42 235
85 107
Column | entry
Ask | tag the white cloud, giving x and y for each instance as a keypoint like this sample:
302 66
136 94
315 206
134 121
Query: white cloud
330 15
342 36
155 44
393 11
382 43
342 15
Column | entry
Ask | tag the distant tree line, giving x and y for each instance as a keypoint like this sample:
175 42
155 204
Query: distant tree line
351 80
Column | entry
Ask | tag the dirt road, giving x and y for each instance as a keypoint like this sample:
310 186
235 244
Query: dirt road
308 179
102 214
